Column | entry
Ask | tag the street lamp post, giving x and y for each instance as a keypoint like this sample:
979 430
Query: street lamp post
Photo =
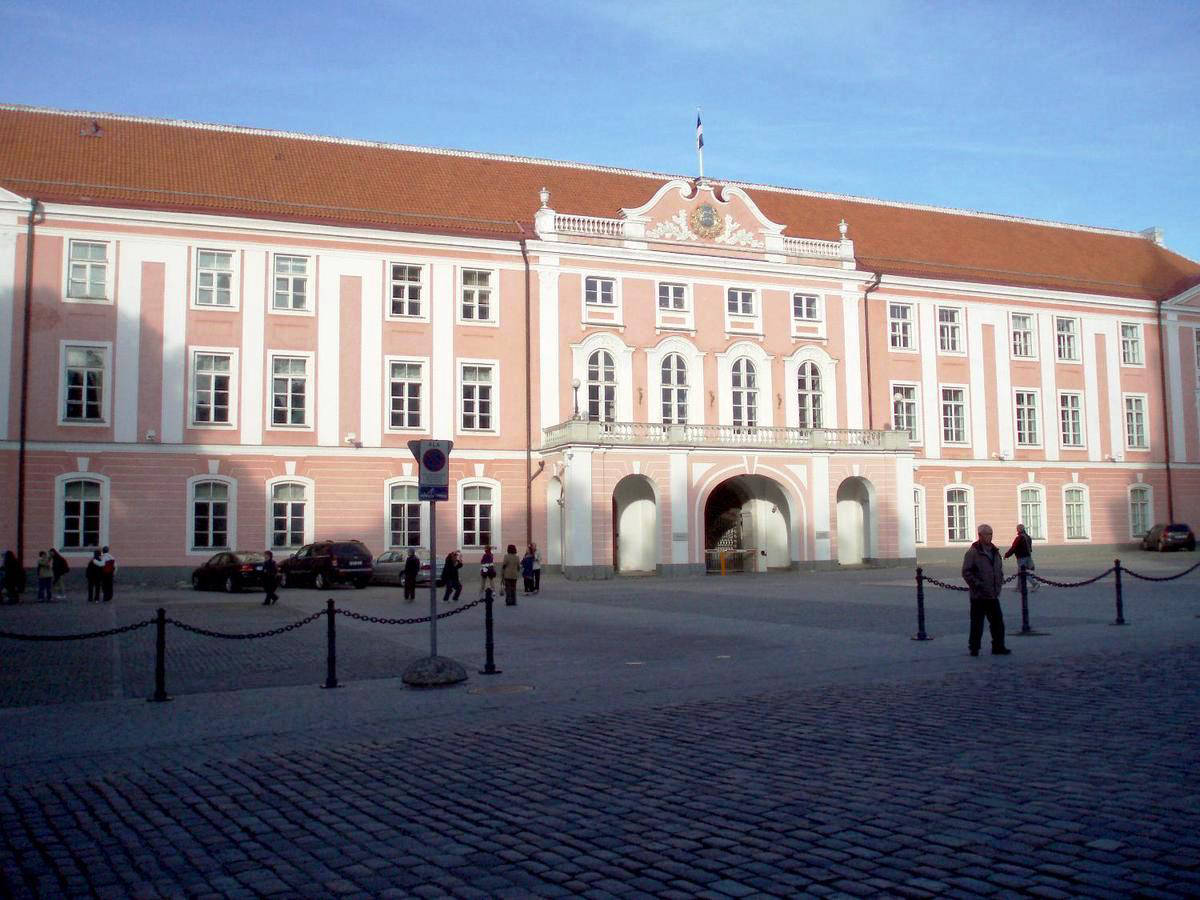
575 387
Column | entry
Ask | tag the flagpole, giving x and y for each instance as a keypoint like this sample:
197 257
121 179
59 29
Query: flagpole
700 143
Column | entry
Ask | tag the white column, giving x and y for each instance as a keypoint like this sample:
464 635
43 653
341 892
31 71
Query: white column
329 326
1116 406
852 370
906 536
1049 410
680 527
1175 386
8 270
174 345
254 306
126 351
577 537
442 307
371 379
1003 404
819 494
931 400
1091 390
549 385
978 401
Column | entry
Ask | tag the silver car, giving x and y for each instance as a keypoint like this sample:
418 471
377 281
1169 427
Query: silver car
389 567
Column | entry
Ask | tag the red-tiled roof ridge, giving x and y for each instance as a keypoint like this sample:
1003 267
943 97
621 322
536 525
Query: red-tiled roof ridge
568 164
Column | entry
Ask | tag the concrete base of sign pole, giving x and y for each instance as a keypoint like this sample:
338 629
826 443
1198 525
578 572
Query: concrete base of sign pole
433 671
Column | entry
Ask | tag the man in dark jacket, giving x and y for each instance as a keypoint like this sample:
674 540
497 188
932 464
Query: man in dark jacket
270 578
983 571
412 566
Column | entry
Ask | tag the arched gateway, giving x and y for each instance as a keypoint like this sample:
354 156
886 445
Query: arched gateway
751 513
635 526
857 521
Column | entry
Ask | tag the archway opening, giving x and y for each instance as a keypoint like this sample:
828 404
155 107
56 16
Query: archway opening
746 523
635 526
855 521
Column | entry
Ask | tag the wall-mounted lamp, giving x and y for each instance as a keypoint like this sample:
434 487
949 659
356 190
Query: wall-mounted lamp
640 393
778 401
352 440
712 398
575 387
151 435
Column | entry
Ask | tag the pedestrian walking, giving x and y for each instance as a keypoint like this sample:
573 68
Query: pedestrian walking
537 568
108 571
45 577
412 567
1022 549
450 577
983 571
93 574
487 571
270 578
60 567
510 568
527 569
14 578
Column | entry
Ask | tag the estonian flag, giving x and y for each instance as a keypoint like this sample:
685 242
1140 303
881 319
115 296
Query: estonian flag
699 133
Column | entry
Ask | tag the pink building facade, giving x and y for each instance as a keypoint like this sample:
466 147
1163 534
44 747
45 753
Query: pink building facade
227 347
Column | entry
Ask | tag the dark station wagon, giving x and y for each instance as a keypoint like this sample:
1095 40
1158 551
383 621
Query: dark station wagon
327 563
230 571
1169 537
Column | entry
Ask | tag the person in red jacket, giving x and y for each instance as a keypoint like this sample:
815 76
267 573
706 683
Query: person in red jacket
1022 549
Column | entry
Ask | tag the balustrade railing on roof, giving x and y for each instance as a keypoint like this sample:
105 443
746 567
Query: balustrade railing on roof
579 431
591 226
795 246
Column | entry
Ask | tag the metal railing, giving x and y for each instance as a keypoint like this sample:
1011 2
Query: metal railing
580 431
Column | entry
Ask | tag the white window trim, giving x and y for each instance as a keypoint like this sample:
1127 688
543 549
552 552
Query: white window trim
962 330
60 490
754 319
110 271
1145 398
622 360
763 366
971 534
1033 337
1087 512
405 480
1043 524
829 387
426 299
459 362
497 524
310 511
1141 339
190 549
920 419
694 359
1150 517
966 441
914 331
423 362
807 327
1083 425
235 280
234 389
1078 358
616 310
310 390
109 382
1041 419
494 299
921 534
688 313
310 296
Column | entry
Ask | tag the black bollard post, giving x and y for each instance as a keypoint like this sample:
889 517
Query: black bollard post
160 658
1023 581
921 635
1120 600
489 667
331 647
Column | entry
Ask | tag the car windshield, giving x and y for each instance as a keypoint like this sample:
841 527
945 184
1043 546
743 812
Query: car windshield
251 556
350 547
1178 528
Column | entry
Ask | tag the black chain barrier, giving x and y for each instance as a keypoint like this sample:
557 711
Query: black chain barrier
377 620
1163 577
1071 584
75 637
248 635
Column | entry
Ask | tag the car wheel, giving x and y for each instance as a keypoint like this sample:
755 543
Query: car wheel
321 581
231 585
1191 545
361 583
196 584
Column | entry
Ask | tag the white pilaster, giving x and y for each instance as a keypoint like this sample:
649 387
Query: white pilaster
1003 401
174 344
1116 406
548 338
577 537
1091 391
1049 410
254 307
931 401
850 352
979 406
1175 386
441 312
371 378
906 536
680 527
819 492
126 351
329 327
8 270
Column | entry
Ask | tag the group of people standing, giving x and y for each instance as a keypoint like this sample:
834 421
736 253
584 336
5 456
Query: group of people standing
51 573
528 567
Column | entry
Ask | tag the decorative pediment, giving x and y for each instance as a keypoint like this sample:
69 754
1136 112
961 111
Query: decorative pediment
687 213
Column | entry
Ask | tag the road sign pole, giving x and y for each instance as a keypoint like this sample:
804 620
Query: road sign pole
432 578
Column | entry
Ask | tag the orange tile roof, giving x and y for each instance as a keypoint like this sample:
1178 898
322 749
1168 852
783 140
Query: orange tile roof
156 164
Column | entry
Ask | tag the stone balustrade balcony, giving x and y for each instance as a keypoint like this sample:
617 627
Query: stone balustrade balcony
580 432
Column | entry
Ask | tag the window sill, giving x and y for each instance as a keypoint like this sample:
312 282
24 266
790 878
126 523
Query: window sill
90 301
216 307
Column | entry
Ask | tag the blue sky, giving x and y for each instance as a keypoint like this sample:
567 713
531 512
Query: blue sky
1076 112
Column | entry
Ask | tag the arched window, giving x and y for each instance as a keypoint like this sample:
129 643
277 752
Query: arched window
210 515
601 387
81 519
1032 511
674 390
1075 512
1139 510
745 394
808 391
289 510
958 514
404 516
476 515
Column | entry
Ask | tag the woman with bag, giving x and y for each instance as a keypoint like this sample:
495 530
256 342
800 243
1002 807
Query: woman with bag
509 570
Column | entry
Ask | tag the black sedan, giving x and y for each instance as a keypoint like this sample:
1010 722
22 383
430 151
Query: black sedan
230 571
1169 537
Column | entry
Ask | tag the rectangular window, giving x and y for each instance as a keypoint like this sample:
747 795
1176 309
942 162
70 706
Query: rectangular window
900 330
1131 344
672 297
1139 511
1028 433
950 330
1075 501
289 390
404 396
84 380
476 296
806 308
599 291
288 509
477 397
214 278
81 515
1070 419
405 516
1030 501
1023 342
477 516
904 409
210 516
211 379
1066 339
1135 423
291 282
87 277
739 302
958 526
406 290
954 416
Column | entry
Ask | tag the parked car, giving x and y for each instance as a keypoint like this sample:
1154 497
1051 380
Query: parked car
230 571
326 563
1169 537
389 567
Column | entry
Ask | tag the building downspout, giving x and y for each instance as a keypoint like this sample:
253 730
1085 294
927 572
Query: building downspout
871 285
25 330
528 398
1162 371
